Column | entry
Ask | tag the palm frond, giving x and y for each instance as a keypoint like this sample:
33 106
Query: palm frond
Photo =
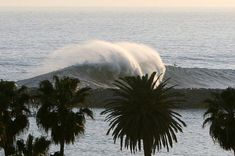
140 113
220 115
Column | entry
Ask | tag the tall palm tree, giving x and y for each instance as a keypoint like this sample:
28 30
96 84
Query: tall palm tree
32 147
221 117
140 114
13 114
56 114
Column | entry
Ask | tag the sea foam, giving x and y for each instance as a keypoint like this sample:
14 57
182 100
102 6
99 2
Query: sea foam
102 61
99 63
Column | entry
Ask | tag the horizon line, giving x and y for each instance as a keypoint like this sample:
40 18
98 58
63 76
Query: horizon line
118 7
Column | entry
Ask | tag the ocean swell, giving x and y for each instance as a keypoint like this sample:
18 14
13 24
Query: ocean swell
99 63
99 60
182 77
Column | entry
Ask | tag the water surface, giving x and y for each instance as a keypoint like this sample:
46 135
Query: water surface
195 141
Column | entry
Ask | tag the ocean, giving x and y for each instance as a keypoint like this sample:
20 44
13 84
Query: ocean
195 38
195 141
197 45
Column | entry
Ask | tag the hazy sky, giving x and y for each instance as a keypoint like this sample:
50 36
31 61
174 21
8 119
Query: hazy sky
119 3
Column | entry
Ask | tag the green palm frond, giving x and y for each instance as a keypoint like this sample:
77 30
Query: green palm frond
56 114
13 113
32 146
140 113
40 146
87 112
220 115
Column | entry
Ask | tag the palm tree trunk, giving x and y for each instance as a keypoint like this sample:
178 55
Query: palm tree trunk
5 152
8 151
147 148
62 148
8 147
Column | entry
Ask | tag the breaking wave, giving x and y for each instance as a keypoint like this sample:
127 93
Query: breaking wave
182 77
200 77
99 63
102 61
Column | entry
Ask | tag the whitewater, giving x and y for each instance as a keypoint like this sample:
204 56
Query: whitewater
98 63
102 62
196 46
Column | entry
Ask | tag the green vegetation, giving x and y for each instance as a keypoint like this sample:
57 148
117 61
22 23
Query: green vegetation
13 114
141 114
221 117
32 147
56 113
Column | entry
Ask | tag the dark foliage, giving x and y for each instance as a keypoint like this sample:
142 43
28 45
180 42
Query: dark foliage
32 147
141 114
13 114
220 115
56 114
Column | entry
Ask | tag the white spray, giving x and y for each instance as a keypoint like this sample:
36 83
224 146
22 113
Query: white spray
105 61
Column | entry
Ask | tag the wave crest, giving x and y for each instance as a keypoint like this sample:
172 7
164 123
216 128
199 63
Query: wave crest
105 61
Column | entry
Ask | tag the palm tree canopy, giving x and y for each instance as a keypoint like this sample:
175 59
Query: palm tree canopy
32 147
220 115
63 92
56 113
13 112
140 113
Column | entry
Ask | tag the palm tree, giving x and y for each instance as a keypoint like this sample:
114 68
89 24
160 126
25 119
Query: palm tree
140 114
13 114
221 117
56 114
32 147
2 130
